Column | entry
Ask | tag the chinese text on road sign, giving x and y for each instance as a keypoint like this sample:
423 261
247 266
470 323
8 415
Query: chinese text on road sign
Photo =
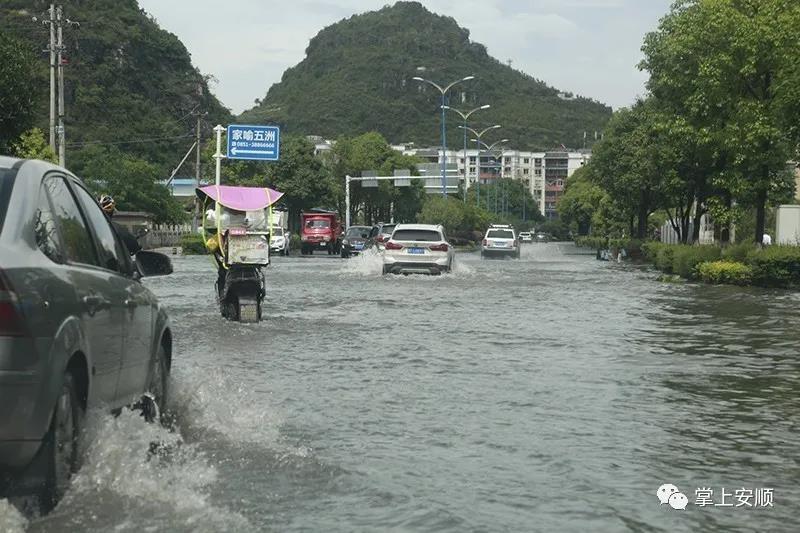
254 142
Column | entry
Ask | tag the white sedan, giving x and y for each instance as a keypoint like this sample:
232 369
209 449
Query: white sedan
279 241
417 249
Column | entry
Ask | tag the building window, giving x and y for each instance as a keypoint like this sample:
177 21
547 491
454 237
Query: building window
537 161
527 160
525 171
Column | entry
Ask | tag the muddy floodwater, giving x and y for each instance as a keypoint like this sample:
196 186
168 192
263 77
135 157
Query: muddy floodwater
550 393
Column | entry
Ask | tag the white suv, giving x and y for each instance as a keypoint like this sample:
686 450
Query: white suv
500 240
417 248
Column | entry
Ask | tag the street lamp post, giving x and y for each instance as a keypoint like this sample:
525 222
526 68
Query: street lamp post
465 116
443 91
478 143
489 148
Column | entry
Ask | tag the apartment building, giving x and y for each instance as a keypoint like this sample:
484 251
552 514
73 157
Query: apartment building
545 173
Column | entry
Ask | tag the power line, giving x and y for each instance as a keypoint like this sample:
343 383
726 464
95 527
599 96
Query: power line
133 141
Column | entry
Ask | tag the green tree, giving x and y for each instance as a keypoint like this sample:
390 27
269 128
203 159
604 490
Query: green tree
32 145
300 175
20 89
581 201
132 182
459 219
370 151
730 67
627 164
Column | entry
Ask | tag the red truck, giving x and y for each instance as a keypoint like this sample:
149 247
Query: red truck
320 230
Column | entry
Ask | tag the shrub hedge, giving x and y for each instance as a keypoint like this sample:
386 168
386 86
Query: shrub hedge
193 245
770 266
775 266
724 271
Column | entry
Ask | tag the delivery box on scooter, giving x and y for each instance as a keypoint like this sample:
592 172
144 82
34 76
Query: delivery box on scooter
247 248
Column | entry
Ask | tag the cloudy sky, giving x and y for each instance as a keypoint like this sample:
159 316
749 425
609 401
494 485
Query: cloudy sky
590 47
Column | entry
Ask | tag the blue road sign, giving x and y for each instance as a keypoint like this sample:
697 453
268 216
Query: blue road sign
254 142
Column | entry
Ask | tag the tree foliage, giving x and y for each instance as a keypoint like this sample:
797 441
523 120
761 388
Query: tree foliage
371 152
729 70
20 82
127 81
32 145
132 182
720 123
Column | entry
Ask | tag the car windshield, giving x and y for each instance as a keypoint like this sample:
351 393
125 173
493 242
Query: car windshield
388 228
357 233
318 223
277 232
428 235
500 234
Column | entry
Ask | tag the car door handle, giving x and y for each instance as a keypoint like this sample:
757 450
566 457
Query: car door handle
94 302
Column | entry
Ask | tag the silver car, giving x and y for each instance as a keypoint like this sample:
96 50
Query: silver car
500 241
417 248
77 328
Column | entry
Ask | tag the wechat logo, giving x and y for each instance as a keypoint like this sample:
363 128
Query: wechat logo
671 495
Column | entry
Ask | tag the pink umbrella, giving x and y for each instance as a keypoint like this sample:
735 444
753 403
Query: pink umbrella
240 198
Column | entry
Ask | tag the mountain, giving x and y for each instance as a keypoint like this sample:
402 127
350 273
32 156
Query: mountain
356 77
129 85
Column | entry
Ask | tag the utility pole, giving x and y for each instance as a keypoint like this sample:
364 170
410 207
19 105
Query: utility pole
60 59
52 50
197 157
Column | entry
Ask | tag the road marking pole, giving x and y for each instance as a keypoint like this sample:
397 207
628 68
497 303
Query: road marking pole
218 156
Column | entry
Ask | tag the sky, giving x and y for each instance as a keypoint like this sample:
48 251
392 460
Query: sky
588 47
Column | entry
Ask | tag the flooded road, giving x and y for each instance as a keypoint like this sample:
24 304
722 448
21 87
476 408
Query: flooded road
553 393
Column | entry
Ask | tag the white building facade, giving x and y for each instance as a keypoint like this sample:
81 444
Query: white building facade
545 173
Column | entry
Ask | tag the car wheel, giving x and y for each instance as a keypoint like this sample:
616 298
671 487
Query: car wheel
61 443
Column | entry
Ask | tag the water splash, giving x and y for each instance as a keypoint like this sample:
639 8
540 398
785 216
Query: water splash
213 401
11 520
367 263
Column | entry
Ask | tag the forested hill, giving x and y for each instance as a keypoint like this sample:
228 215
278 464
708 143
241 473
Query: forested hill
356 77
127 82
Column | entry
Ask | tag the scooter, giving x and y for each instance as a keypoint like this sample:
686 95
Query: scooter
241 287
242 217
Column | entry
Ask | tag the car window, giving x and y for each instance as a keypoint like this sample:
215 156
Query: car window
500 234
75 235
112 255
428 235
357 233
45 229
318 223
388 228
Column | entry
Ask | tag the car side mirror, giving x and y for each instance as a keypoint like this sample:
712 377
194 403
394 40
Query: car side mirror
153 264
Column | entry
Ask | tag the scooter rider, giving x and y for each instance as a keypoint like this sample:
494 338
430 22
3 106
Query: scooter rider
108 205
